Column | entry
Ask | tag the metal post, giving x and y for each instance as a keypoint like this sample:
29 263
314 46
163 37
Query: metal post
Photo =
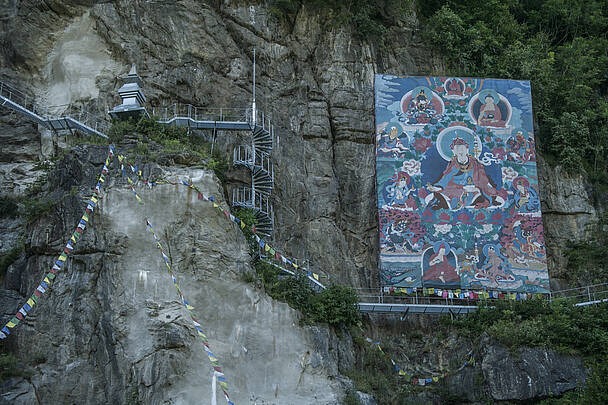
589 293
253 112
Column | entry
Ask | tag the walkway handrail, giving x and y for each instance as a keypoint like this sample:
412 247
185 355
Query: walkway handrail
70 117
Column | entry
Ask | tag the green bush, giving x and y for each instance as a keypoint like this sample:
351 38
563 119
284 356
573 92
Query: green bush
335 305
247 215
36 207
9 366
9 258
220 165
8 207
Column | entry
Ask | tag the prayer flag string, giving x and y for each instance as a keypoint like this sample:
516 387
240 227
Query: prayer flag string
422 380
265 246
58 265
221 379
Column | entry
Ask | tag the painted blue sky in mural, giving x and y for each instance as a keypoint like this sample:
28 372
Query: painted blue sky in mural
457 184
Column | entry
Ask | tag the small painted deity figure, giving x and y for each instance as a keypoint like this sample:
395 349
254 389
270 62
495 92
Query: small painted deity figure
520 149
494 267
454 88
489 113
439 267
398 192
421 110
391 144
525 198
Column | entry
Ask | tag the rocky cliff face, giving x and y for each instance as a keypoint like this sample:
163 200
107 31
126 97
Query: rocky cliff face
112 329
116 338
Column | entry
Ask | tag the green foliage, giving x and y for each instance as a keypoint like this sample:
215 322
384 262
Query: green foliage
220 165
169 139
9 367
247 215
588 260
369 19
295 290
335 305
350 399
9 258
537 322
559 45
8 207
374 374
36 207
86 140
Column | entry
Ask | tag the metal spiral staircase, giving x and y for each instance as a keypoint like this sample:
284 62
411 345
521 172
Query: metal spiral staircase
256 158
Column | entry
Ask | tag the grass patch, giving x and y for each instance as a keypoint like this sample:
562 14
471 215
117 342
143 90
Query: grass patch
9 367
156 140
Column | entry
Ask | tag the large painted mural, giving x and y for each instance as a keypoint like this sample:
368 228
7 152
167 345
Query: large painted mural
457 185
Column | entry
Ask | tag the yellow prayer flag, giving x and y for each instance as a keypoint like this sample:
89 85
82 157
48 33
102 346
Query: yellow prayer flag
403 290
10 324
215 205
129 180
73 239
316 276
190 307
94 199
266 248
242 225
46 280
63 257
401 372
30 302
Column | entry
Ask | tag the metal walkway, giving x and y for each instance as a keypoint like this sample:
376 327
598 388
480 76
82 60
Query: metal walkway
374 300
19 102
255 156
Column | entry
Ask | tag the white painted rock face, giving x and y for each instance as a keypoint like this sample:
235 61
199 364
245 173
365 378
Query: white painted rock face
119 333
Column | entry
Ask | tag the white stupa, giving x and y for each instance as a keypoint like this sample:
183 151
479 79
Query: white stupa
132 97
